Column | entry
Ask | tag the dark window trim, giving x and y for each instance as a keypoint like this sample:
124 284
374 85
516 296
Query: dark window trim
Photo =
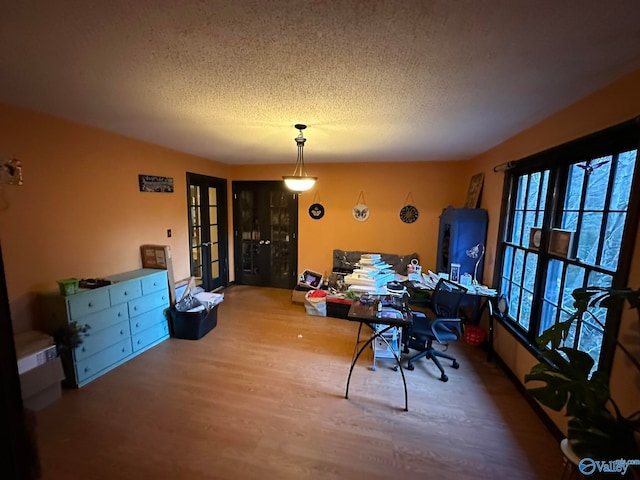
624 136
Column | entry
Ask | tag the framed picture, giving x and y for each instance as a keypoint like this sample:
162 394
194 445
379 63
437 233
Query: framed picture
154 183
535 237
560 242
475 189
454 272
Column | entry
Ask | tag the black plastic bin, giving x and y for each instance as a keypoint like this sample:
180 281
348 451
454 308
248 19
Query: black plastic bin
193 325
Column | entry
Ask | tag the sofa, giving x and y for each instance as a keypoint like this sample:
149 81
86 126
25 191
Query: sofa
344 261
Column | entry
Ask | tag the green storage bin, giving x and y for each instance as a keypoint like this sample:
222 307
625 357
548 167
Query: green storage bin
68 286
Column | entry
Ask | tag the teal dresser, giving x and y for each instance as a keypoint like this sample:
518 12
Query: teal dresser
125 319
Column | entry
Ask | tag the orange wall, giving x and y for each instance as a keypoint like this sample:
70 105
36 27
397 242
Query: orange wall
616 103
385 187
80 212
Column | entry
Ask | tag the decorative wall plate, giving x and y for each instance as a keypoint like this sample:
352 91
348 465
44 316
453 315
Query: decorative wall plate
316 211
408 214
360 212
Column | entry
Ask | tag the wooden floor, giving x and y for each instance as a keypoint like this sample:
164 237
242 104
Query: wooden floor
262 397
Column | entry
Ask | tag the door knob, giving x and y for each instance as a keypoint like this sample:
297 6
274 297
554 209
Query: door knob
261 242
267 242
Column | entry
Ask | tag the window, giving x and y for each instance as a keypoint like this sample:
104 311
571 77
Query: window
570 216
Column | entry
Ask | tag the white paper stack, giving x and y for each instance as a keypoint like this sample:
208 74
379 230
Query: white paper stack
372 275
209 299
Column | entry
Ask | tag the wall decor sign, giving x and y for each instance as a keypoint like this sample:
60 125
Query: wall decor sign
154 183
475 189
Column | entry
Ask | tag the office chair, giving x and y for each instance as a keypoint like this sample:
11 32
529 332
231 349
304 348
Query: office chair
443 326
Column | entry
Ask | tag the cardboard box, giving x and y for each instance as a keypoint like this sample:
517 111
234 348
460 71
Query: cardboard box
299 293
159 256
41 385
33 348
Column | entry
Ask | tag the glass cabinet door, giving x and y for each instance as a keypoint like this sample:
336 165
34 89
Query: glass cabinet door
265 231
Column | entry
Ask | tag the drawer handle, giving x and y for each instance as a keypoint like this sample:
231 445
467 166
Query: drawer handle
137 324
126 293
155 284
90 305
119 314
139 342
135 308
86 369
124 349
121 332
84 349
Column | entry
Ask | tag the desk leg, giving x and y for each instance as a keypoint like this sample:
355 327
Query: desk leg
362 349
355 347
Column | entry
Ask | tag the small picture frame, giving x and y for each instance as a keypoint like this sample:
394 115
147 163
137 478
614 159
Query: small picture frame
454 272
561 242
535 237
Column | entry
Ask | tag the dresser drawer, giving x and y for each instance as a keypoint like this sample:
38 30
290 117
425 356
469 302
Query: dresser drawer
147 303
125 291
93 343
154 283
105 318
85 303
146 320
150 335
103 359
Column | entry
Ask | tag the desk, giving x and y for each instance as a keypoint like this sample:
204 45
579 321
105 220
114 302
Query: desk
388 311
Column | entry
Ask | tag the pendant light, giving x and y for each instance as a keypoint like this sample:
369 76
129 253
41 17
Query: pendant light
299 181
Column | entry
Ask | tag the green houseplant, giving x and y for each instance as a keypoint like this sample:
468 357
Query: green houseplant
562 379
67 337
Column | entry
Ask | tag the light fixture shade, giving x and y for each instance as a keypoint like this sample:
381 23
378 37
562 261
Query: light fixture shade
299 181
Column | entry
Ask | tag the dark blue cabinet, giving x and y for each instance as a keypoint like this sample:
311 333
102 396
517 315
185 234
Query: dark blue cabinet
460 230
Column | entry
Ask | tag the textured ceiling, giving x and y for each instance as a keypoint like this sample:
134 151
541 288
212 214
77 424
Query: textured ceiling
374 80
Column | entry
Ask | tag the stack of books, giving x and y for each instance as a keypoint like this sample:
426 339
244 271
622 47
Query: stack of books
371 275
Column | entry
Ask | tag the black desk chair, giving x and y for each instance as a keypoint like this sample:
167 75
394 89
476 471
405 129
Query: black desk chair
442 327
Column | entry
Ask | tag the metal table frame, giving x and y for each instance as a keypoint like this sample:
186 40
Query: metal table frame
368 314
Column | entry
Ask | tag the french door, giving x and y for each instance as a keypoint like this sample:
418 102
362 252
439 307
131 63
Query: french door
208 249
265 224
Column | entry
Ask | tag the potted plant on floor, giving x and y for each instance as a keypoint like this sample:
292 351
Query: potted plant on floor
596 428
67 338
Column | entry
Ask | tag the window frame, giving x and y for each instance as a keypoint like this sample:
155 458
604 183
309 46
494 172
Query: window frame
613 140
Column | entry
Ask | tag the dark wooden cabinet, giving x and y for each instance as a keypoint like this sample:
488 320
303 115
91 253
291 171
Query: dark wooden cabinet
460 230
265 224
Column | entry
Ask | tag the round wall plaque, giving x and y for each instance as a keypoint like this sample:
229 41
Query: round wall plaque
360 212
408 214
316 211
